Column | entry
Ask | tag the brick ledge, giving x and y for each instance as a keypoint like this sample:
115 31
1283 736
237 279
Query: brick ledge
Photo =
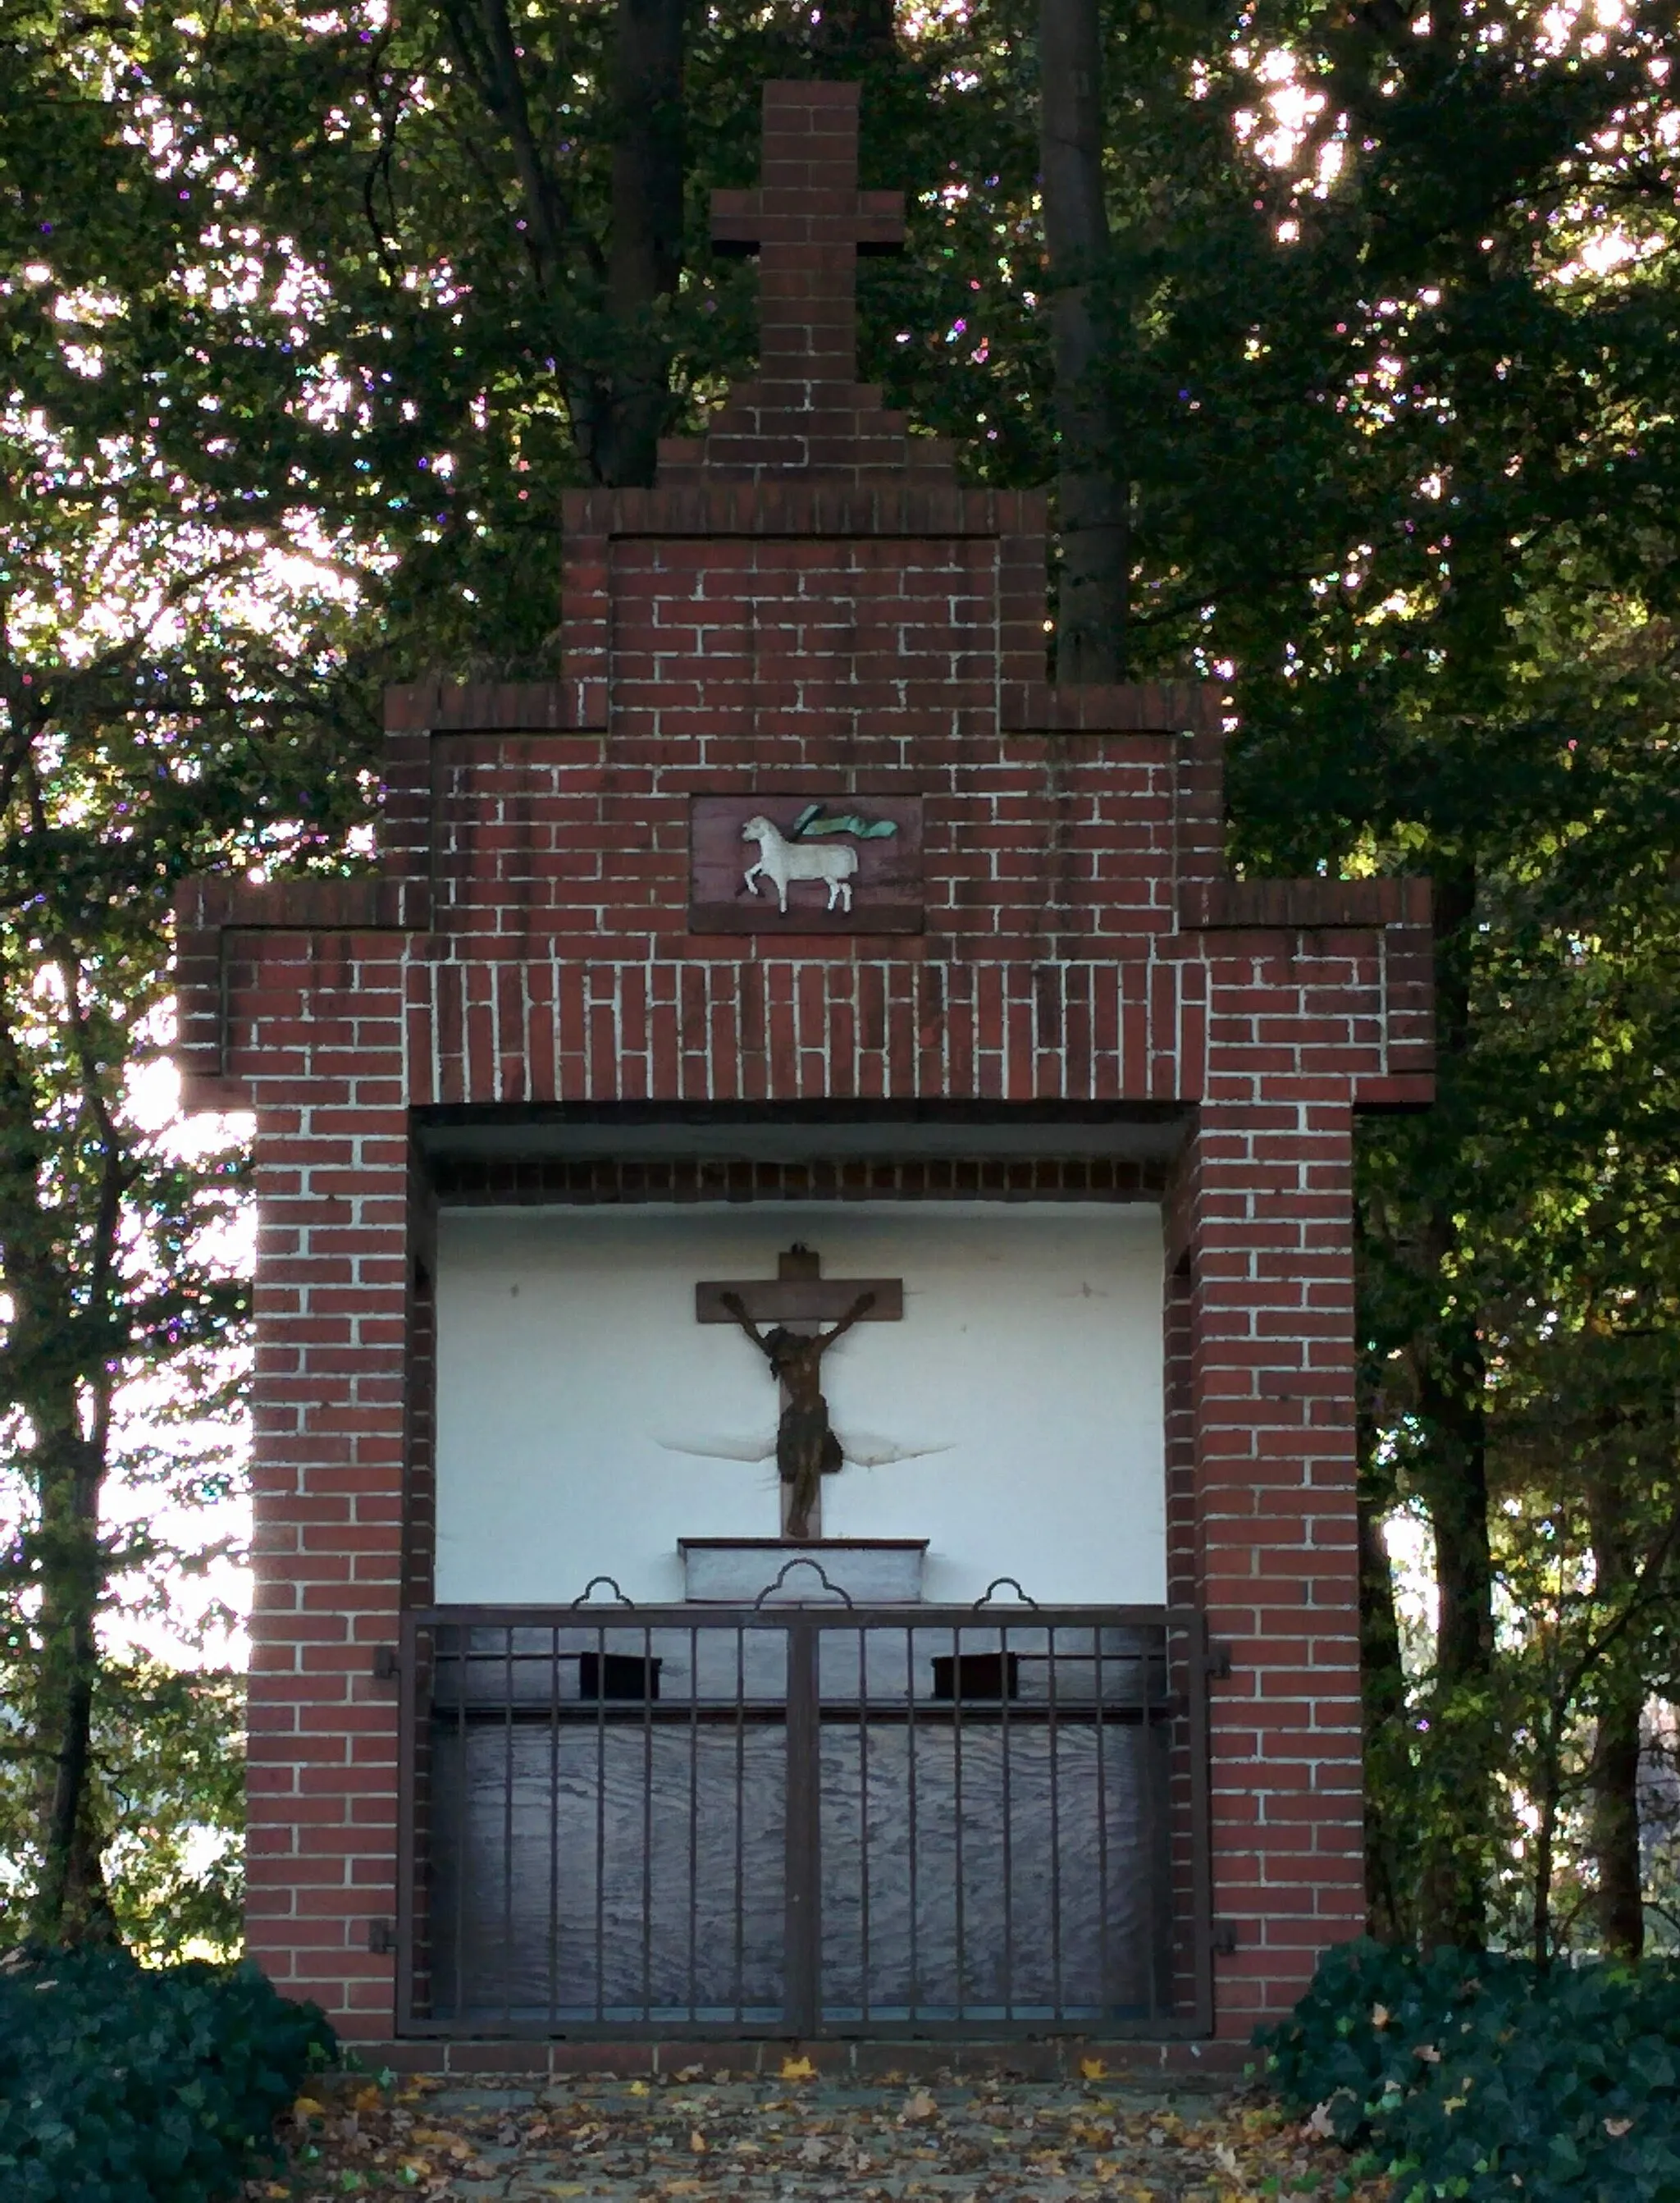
1238 905
1211 2064
580 706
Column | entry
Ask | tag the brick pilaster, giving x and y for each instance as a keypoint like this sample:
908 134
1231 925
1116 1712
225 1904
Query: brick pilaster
1272 1409
316 1028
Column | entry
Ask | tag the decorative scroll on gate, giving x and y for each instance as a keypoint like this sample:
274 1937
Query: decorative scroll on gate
803 1820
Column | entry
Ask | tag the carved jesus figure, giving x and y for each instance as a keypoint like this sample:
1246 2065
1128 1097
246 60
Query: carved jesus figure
805 1444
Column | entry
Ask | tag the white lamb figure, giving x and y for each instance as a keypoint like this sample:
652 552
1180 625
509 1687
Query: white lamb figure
783 860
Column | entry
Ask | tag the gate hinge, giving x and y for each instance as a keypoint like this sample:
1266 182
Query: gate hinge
385 1663
1224 1938
381 1937
1216 1664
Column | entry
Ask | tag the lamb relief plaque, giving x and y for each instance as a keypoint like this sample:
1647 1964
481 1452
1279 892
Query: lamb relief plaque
806 864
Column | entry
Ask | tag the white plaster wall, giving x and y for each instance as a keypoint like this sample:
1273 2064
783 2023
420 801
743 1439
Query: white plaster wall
580 1406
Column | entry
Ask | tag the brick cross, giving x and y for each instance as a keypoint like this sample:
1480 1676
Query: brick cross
808 222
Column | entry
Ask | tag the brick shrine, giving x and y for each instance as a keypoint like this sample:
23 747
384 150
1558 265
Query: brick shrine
1035 986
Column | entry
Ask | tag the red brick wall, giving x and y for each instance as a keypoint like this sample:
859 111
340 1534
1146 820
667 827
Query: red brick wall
1272 1035
833 627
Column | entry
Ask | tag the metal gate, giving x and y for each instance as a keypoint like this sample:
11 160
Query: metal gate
803 1820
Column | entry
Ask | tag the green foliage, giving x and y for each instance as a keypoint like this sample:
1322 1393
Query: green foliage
1396 396
167 705
171 1767
1480 2076
168 1797
118 2085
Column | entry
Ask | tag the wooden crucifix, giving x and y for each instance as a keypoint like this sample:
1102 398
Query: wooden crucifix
797 1303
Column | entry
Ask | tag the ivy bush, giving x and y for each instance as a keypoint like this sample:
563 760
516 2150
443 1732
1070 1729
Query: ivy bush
118 2084
1474 2076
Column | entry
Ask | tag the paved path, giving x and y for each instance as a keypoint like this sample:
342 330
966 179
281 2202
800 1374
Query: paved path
696 2141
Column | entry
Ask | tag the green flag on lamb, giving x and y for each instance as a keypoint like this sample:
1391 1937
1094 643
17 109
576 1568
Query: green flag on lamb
811 821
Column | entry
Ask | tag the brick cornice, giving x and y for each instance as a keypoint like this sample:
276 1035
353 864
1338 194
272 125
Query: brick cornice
209 911
1246 906
1403 1093
889 508
571 707
1112 708
353 906
540 707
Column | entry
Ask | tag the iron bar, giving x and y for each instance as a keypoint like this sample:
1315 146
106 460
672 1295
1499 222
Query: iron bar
1008 1806
1104 1974
1056 1840
408 1841
802 1830
957 1817
553 1821
912 1746
600 1834
693 1824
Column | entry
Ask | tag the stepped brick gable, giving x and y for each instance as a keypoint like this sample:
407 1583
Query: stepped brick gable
807 608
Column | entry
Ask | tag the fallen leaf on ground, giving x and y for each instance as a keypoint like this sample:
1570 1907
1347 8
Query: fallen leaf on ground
893 2136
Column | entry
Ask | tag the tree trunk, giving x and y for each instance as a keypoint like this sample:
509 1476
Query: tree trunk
1615 1768
852 35
618 398
487 50
70 1904
1453 1476
1383 1694
1545 1846
1615 1838
645 259
1451 1406
65 1469
1092 491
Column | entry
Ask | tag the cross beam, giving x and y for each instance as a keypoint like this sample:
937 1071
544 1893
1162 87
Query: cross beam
800 1294
808 222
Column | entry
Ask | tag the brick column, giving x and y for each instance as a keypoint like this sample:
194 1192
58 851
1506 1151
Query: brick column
321 1016
1272 1404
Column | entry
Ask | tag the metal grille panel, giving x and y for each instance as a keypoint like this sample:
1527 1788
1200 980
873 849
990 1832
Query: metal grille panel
803 1820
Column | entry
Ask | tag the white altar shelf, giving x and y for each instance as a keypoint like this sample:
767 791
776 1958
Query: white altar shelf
871 1571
